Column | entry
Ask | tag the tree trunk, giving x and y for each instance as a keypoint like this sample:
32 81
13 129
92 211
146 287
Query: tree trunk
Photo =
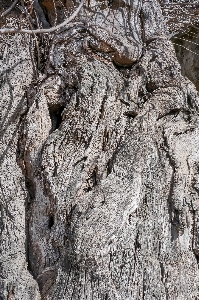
99 161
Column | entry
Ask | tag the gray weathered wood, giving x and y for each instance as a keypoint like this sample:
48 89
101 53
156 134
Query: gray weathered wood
99 162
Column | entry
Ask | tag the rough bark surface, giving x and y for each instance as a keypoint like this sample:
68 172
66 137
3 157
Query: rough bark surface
99 162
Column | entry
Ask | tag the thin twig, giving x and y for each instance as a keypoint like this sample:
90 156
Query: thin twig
48 30
178 38
186 49
55 13
35 71
9 9
64 9
36 41
181 4
30 6
23 9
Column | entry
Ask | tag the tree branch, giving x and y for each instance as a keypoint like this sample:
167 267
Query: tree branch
48 30
180 4
9 9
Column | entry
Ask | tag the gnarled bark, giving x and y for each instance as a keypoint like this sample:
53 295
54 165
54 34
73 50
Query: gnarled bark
100 191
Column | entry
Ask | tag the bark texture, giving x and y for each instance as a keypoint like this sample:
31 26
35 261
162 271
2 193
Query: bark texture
99 162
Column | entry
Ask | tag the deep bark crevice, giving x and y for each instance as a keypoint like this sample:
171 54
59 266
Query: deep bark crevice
56 116
173 213
51 221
